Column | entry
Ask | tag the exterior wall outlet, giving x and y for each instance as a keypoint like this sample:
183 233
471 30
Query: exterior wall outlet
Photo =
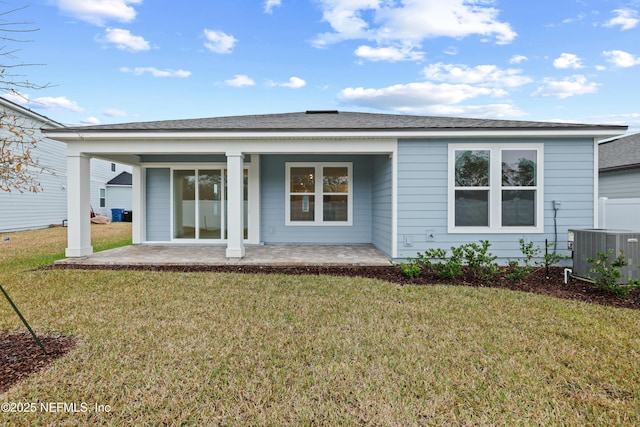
557 204
431 235
408 241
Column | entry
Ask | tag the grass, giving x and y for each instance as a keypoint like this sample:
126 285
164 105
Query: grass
231 349
36 248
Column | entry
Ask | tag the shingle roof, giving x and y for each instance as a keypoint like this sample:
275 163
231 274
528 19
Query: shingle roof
327 121
620 153
124 178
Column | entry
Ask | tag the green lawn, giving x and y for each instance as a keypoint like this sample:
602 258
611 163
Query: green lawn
232 349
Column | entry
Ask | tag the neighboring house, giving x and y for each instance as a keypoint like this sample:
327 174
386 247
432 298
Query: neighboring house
21 211
402 183
619 164
118 194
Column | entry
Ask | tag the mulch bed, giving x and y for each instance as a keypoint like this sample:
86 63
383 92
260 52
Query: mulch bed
539 283
21 356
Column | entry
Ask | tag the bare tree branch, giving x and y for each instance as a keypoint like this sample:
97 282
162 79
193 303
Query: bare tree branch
18 170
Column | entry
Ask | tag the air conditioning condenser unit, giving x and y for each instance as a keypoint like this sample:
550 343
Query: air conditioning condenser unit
588 243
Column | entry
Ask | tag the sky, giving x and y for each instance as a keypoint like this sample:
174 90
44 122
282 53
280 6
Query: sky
116 61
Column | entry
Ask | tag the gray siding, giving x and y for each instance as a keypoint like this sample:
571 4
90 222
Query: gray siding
119 197
620 184
20 211
272 199
158 204
381 205
423 187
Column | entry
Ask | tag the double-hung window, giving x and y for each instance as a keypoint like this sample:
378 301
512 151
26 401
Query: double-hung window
496 188
319 194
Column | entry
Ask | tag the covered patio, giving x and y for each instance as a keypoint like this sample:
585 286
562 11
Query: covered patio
264 255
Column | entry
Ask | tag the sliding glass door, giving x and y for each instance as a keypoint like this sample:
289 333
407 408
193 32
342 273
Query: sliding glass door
200 204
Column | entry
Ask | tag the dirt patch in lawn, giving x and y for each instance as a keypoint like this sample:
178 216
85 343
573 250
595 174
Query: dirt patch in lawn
20 355
549 283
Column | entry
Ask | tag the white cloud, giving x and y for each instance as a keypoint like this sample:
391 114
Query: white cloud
411 21
90 121
123 39
45 102
240 80
489 111
401 97
451 50
629 119
429 98
98 12
114 112
391 54
571 86
518 59
293 83
626 19
270 4
219 42
578 18
483 75
620 58
138 71
568 60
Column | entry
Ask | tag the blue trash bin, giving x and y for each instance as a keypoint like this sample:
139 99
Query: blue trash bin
116 215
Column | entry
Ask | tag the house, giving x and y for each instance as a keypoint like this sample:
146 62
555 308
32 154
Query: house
619 165
118 192
21 211
619 183
402 183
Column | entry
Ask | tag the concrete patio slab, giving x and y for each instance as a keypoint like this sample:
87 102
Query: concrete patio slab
267 255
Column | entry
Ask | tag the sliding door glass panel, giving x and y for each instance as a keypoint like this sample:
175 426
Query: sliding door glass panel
209 204
184 206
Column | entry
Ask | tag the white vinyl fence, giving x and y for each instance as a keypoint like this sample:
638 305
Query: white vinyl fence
619 214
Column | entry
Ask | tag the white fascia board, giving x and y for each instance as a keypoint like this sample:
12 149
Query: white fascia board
191 146
322 135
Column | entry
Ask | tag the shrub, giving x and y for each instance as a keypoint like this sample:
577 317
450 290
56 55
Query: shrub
518 271
438 263
410 269
479 260
607 273
521 272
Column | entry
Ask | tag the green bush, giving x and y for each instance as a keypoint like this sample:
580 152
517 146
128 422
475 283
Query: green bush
479 260
410 269
607 273
521 272
524 267
443 266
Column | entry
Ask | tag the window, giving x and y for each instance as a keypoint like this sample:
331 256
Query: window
103 197
495 188
113 167
319 194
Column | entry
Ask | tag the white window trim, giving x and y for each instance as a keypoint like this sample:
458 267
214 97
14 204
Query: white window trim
318 215
495 188
101 191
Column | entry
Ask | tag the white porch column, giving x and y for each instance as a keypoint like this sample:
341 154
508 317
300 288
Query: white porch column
137 203
235 202
78 206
